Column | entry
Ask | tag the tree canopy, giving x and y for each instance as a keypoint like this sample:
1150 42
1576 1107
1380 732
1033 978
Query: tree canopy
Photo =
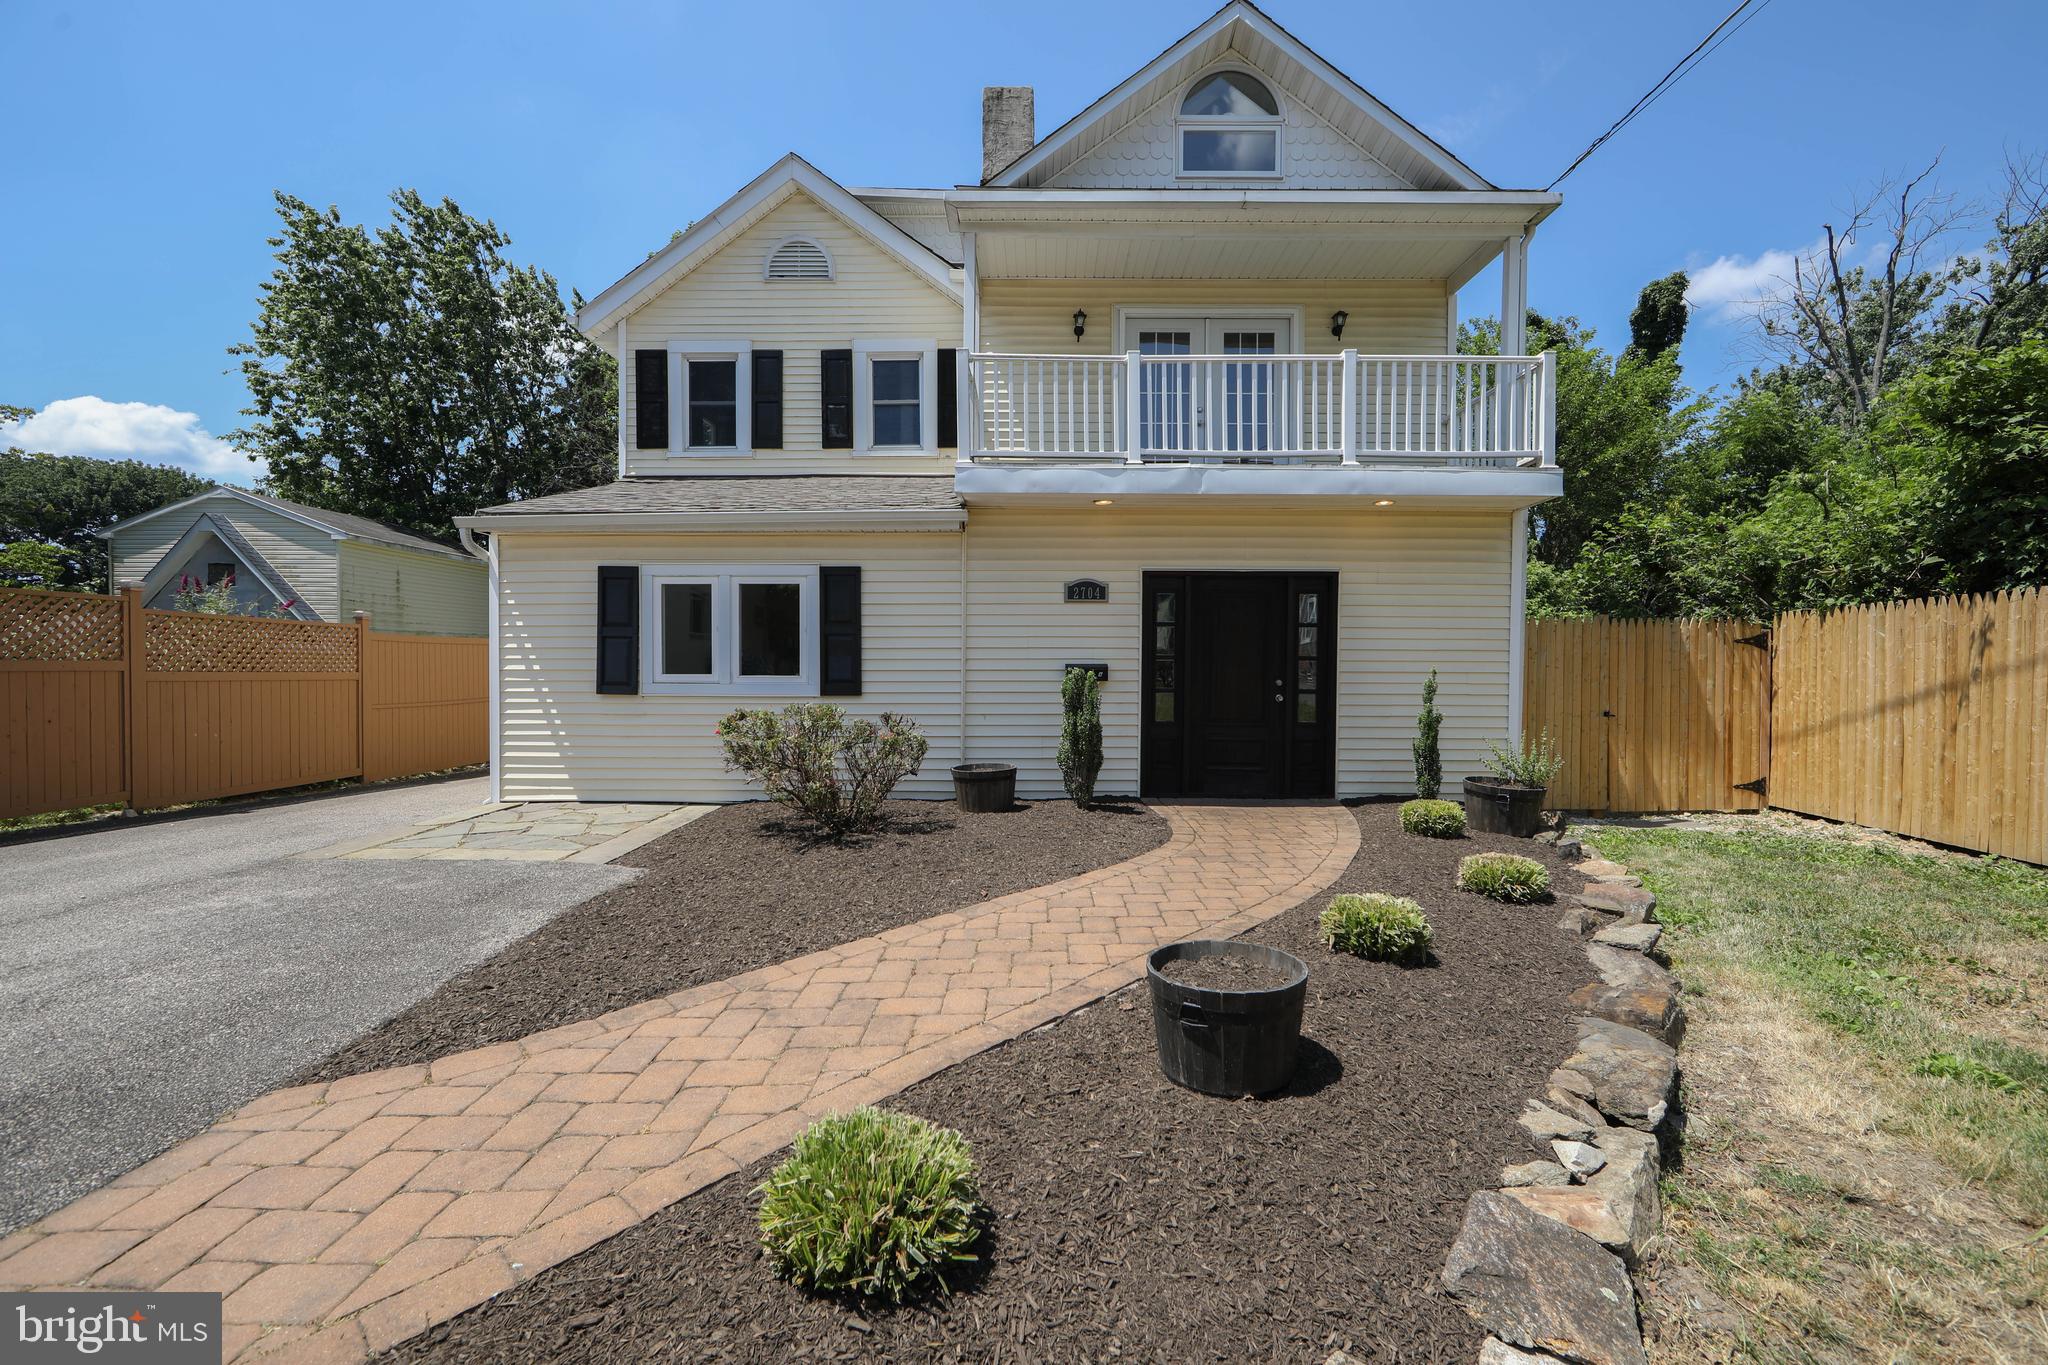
1895 446
413 374
51 506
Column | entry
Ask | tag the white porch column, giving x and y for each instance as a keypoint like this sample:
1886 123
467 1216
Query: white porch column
1518 592
970 342
1514 294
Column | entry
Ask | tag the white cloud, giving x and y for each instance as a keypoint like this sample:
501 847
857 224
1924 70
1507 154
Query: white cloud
1734 287
130 431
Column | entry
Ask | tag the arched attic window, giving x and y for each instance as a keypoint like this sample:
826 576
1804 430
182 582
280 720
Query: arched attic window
1229 126
798 258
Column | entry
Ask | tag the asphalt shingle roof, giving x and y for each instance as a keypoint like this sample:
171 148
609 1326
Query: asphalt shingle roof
849 493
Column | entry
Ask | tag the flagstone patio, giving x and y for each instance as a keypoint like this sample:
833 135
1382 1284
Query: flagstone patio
530 831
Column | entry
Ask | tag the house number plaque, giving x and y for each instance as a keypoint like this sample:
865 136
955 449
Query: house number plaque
1087 590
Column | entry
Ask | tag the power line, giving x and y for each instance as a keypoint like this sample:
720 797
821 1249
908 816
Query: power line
1705 48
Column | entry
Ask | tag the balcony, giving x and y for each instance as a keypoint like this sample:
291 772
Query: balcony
1438 413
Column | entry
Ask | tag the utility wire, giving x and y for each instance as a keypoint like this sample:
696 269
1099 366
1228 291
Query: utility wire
1704 49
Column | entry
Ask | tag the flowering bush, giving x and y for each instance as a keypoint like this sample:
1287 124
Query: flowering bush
218 599
810 757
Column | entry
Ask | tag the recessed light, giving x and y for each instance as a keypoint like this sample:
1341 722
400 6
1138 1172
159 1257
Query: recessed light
1104 502
1384 502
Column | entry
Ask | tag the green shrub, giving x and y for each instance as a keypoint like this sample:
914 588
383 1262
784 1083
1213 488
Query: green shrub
1080 751
1536 764
1429 763
1386 928
811 758
1433 819
1504 877
873 1203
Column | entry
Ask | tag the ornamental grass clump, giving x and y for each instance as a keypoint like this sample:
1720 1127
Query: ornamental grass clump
810 757
1504 877
1384 928
875 1204
1433 819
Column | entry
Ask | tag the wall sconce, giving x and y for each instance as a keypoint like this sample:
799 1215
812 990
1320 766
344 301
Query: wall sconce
1337 321
1080 323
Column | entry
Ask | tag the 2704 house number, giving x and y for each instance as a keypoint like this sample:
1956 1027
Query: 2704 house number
1087 590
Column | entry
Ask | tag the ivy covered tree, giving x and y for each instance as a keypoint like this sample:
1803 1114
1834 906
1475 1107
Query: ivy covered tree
413 374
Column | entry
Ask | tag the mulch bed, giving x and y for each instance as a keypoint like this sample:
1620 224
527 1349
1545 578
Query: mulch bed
1137 1220
741 888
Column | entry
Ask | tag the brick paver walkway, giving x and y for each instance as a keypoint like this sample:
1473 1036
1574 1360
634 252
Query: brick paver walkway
339 1219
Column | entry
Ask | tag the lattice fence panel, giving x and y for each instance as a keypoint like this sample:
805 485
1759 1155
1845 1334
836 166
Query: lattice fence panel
59 627
195 642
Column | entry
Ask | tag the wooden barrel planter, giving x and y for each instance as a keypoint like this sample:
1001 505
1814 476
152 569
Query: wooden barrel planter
1496 807
984 788
1227 1042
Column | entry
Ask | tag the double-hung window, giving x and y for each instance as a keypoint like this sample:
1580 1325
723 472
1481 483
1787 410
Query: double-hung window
711 383
895 403
740 629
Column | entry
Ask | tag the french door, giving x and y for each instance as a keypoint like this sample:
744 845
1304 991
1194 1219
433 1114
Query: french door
1226 408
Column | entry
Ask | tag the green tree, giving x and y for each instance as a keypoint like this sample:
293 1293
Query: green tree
1429 763
1986 415
413 374
62 500
31 564
1080 747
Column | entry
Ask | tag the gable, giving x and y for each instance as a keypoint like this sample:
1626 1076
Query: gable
1313 154
1242 35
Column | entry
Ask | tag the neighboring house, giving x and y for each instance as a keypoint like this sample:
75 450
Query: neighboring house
327 565
1171 390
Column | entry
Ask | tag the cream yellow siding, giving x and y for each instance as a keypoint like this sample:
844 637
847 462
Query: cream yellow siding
304 555
562 740
1417 590
416 594
873 296
1388 317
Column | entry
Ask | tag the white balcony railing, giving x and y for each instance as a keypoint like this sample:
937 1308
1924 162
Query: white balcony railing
1269 409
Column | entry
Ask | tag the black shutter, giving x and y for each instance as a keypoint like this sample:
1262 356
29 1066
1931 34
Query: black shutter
650 400
767 400
835 384
949 400
618 628
839 630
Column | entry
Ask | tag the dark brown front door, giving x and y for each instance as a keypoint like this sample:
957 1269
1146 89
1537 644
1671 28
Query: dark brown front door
1237 684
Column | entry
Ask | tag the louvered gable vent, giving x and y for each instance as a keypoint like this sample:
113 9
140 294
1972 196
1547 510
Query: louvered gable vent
799 258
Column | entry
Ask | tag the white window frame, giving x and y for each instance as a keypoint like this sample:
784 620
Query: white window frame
725 676
741 354
865 354
1183 124
768 261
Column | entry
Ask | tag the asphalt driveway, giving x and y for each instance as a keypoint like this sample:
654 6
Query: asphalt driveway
154 975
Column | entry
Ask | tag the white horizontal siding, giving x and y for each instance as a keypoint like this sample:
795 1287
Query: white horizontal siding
872 296
562 740
1388 317
1416 590
412 593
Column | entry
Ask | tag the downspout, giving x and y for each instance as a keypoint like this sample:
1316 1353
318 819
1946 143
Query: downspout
1518 591
963 639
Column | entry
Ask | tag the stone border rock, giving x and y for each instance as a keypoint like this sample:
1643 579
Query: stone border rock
1543 1262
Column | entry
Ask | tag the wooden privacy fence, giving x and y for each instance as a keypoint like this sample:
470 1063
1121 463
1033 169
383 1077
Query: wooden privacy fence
1926 718
105 701
1652 715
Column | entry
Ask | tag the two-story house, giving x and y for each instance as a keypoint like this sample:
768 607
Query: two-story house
1172 390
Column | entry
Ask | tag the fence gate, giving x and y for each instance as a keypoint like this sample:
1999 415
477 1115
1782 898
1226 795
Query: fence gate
1652 715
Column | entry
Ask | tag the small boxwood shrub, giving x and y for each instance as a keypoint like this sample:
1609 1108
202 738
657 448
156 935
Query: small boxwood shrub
1385 928
876 1204
1504 877
1433 819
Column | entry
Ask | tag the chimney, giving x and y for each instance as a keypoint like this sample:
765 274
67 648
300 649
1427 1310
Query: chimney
1008 126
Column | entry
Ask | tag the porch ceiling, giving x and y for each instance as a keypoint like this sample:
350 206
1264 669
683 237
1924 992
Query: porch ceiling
1225 255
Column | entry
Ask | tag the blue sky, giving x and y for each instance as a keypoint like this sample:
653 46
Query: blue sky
146 141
